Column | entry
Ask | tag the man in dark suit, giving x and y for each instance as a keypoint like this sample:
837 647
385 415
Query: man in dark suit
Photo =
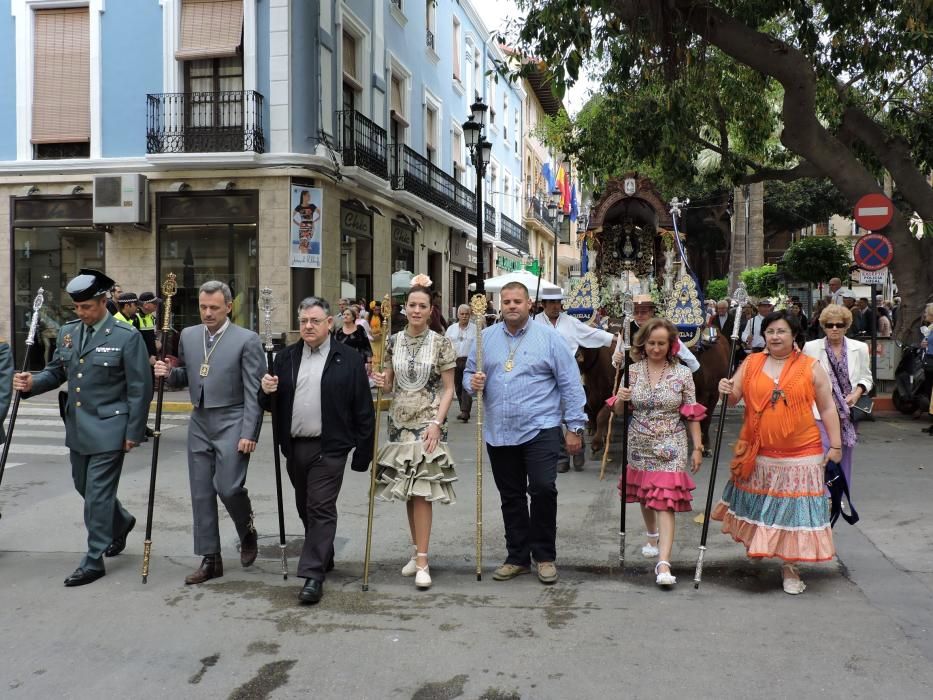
105 364
324 410
221 364
723 319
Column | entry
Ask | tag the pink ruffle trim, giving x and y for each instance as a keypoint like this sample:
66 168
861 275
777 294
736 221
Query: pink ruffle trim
660 490
693 411
611 401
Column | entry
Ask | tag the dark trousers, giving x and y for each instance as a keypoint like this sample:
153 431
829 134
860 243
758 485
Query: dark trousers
317 480
463 397
96 478
528 471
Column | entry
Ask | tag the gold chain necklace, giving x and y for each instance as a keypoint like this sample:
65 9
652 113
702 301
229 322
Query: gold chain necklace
509 364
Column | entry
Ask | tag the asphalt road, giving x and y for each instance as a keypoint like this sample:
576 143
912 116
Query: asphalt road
863 629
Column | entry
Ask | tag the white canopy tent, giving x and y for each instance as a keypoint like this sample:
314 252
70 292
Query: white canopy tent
495 284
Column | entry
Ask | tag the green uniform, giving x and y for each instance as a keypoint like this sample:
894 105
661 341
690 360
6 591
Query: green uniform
109 386
6 385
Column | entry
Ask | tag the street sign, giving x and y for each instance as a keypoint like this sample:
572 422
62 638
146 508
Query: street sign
873 251
874 211
878 277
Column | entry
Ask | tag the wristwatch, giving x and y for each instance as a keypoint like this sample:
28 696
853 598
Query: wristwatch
578 432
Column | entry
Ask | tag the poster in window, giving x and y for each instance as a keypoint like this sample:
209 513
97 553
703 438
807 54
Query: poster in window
305 237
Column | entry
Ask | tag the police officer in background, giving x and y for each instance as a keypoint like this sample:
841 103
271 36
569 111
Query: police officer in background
104 362
127 305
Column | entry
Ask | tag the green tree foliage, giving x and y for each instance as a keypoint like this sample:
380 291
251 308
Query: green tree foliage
816 259
761 281
717 289
724 92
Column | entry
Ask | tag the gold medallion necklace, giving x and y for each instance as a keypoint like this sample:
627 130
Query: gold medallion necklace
509 364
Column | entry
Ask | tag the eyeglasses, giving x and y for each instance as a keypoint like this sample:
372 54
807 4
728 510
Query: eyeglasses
311 321
834 325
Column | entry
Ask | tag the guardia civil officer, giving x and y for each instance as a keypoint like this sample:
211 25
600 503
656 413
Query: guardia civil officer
221 363
105 364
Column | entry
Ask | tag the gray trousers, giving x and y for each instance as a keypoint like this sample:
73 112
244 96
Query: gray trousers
216 470
96 478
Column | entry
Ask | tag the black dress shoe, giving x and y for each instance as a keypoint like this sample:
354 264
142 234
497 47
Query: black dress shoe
212 566
82 577
249 547
311 592
119 543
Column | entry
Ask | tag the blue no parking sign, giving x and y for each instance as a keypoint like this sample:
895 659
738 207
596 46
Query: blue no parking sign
873 252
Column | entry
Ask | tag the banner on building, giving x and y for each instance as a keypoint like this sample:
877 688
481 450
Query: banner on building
305 231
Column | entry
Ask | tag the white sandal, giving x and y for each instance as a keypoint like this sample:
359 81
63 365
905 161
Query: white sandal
664 578
412 566
422 574
793 585
650 551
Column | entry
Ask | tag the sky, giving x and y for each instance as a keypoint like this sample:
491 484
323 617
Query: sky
496 13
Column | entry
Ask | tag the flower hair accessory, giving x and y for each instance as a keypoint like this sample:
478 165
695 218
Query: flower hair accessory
420 281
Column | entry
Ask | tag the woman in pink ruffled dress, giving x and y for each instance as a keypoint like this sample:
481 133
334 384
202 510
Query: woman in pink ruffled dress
664 410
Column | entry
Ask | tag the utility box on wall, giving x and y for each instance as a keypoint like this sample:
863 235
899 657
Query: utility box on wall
121 199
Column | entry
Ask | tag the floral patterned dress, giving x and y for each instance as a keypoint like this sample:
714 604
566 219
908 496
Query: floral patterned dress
405 469
658 452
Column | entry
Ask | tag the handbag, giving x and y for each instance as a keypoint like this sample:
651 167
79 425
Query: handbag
861 409
838 487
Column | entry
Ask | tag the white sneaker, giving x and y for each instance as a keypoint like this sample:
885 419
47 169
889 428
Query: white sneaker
422 578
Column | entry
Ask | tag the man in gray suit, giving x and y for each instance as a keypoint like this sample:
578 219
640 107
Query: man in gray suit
106 366
221 364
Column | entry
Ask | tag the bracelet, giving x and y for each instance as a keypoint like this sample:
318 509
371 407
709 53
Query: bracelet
698 449
435 421
833 447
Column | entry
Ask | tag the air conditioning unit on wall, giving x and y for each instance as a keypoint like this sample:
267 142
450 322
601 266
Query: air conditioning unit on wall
121 199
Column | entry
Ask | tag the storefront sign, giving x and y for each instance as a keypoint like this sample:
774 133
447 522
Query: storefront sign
305 236
403 236
508 263
462 250
355 223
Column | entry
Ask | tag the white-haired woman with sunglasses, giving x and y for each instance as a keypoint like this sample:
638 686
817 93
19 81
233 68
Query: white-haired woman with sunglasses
846 361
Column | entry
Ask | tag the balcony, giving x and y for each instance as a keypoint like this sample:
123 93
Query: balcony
514 234
536 209
362 143
429 39
205 122
416 174
489 223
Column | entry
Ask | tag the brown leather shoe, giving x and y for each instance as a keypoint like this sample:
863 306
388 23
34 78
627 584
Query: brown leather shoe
212 566
249 547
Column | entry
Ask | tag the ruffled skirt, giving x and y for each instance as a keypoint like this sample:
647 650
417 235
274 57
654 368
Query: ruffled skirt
780 511
406 470
660 490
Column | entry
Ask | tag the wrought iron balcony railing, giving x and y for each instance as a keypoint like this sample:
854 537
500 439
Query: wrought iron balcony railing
205 122
489 224
362 143
416 174
429 39
513 234
536 208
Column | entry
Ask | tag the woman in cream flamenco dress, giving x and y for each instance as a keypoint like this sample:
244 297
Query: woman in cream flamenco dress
415 465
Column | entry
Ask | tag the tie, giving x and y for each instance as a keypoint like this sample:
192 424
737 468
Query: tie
88 332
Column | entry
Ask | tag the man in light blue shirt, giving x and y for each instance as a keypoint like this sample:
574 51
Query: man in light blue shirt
530 384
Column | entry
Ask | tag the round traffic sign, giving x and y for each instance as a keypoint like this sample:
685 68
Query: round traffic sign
874 211
873 251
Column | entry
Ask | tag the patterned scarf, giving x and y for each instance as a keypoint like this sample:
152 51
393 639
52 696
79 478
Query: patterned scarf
842 387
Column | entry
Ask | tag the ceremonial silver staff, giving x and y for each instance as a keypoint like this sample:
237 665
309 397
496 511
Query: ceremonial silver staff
628 309
266 305
14 409
740 296
478 307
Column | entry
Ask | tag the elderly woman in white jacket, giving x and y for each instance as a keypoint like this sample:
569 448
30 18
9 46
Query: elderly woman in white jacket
846 362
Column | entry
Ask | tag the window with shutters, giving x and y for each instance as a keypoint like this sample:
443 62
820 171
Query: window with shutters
456 48
456 148
352 84
61 110
430 134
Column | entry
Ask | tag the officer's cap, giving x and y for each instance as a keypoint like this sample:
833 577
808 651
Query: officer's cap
88 284
127 298
147 297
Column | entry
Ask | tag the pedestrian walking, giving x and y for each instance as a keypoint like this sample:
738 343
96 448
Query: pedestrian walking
576 334
463 336
664 410
222 365
105 364
775 502
351 334
846 363
415 465
530 384
753 336
324 410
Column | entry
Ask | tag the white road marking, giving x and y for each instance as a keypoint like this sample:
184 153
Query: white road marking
48 450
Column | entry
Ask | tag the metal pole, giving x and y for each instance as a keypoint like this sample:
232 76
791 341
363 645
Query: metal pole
874 340
480 217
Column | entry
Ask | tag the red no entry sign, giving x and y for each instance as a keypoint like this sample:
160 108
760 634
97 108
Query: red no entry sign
873 251
874 211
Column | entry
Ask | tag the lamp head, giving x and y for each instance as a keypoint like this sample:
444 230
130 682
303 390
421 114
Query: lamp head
471 132
485 149
478 110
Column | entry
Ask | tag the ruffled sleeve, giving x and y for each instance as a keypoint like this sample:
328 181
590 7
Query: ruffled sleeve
689 408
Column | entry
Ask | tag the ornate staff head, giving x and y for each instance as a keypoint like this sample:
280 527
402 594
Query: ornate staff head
266 305
34 321
628 311
478 306
740 296
169 289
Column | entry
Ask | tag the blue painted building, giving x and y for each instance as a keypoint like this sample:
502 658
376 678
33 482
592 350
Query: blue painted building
193 136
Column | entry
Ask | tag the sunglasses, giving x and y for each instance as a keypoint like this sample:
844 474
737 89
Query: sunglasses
834 325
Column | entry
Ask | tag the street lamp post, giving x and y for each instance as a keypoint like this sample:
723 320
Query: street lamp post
474 130
557 219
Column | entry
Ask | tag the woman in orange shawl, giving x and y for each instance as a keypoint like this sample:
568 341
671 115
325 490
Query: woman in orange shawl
775 502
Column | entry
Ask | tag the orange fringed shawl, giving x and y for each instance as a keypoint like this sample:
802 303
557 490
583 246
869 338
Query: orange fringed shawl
786 426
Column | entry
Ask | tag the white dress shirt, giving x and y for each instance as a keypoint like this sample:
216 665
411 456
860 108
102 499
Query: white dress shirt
306 412
463 339
576 333
753 337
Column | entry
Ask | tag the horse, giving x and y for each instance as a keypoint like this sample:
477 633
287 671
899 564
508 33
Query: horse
713 357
